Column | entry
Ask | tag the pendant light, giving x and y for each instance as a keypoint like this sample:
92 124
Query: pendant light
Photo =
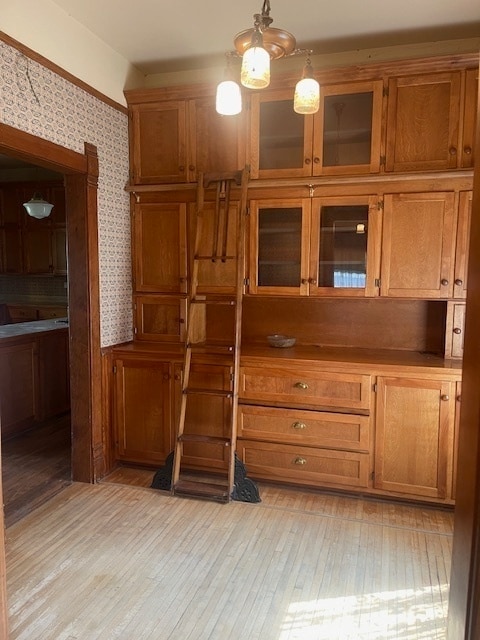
307 92
257 47
228 100
37 207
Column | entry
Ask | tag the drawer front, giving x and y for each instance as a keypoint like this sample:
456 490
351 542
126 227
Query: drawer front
351 391
314 428
303 465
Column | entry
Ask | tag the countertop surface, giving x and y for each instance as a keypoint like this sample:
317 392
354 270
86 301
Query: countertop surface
37 326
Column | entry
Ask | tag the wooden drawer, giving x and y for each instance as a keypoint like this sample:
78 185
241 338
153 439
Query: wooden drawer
303 387
22 314
48 313
304 465
313 428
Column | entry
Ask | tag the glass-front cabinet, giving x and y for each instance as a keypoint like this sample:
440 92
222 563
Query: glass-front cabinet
342 138
319 246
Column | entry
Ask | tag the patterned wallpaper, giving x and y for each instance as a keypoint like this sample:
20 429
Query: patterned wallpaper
38 101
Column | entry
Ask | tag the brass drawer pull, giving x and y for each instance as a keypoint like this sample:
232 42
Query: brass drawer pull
300 385
300 461
299 425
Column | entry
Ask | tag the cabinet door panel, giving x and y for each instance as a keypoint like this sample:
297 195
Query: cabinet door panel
414 436
418 245
160 318
455 330
159 248
470 117
38 250
347 129
158 142
142 410
217 143
19 381
423 122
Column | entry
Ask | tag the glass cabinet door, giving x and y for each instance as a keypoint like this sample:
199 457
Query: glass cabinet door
345 250
281 139
279 246
347 138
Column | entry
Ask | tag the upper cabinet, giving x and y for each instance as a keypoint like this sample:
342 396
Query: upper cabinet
172 141
469 117
418 245
319 246
342 138
463 241
423 131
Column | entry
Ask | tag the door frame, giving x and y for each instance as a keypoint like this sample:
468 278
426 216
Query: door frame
81 182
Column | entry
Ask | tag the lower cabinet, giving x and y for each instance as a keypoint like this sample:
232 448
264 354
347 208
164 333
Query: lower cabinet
143 409
415 436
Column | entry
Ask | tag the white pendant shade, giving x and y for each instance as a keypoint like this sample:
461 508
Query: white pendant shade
255 73
37 207
229 98
307 96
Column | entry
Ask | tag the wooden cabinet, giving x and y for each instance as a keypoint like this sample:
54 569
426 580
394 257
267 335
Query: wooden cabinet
462 245
159 248
414 436
423 122
158 142
418 245
455 329
300 437
469 118
319 246
173 140
343 137
28 245
160 318
142 409
54 369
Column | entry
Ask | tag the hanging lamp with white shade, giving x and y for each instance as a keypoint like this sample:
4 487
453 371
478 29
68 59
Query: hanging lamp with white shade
37 207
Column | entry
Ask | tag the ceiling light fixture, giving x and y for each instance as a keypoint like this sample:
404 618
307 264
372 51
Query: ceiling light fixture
37 207
257 47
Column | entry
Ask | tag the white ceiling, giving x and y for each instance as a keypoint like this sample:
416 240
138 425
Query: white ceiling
167 35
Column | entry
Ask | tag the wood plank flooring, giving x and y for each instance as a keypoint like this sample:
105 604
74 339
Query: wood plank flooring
35 466
111 561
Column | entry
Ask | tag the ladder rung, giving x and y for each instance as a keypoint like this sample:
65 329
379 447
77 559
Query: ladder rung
208 392
194 437
211 348
188 488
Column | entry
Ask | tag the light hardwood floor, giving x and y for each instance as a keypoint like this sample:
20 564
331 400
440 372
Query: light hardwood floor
111 561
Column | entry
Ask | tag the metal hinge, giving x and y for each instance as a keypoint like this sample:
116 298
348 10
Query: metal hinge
372 475
378 282
135 330
246 282
383 160
374 387
114 368
385 91
380 205
247 211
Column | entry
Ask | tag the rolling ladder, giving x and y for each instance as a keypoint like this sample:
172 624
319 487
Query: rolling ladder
215 300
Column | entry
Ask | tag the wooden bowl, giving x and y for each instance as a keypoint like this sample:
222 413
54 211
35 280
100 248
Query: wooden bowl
278 340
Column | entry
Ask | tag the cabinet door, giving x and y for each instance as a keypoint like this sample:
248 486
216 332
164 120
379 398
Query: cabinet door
216 143
59 251
54 373
347 129
418 245
142 410
279 247
458 404
160 318
159 248
462 246
345 246
414 436
469 117
281 140
455 330
158 142
12 249
20 399
423 122
37 247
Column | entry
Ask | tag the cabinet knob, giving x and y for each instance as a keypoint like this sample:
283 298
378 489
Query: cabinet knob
459 398
191 167
166 376
312 281
458 282
307 161
181 168
300 461
316 160
304 281
178 376
444 282
299 425
444 397
300 385
452 151
457 330
467 150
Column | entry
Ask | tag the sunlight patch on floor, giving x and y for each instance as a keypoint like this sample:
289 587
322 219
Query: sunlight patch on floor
408 614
